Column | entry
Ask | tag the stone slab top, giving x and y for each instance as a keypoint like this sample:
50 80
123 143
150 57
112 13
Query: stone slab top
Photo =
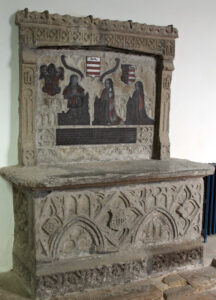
95 174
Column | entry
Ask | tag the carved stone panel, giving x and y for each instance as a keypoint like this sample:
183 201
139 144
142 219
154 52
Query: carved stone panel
74 85
72 96
80 223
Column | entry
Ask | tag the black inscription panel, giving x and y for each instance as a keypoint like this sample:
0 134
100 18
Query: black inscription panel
95 136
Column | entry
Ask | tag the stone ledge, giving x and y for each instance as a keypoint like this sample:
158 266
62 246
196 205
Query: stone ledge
104 173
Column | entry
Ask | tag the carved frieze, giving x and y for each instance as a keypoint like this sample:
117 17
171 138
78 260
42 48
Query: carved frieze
36 36
96 152
90 278
181 258
40 28
70 224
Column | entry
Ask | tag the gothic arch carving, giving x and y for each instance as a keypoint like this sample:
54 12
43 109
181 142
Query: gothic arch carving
79 236
158 225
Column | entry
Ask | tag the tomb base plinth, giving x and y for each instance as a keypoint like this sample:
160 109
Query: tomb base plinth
90 225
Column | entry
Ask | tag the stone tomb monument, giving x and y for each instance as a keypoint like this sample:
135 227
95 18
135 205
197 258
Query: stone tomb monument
97 199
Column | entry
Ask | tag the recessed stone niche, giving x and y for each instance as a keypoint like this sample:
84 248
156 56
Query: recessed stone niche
97 199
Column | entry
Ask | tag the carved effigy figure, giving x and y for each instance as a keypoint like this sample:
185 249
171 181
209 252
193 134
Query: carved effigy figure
104 107
136 112
51 75
77 113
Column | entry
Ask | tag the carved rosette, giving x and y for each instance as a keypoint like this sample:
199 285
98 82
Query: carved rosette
75 224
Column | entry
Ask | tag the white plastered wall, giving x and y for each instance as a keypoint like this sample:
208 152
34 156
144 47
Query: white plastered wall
193 98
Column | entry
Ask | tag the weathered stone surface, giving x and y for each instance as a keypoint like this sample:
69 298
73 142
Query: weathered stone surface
103 173
202 279
173 293
211 295
174 280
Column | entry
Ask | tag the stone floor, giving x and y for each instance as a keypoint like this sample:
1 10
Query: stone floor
198 284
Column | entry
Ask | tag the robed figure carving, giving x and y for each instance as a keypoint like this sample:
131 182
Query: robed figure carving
136 112
77 104
104 107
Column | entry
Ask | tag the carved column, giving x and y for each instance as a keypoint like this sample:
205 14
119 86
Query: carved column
162 144
27 109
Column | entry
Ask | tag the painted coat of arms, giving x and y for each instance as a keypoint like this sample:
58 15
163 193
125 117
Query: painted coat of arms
93 66
128 73
51 76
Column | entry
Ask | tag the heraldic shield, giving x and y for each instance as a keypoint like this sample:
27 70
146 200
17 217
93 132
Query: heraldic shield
128 73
